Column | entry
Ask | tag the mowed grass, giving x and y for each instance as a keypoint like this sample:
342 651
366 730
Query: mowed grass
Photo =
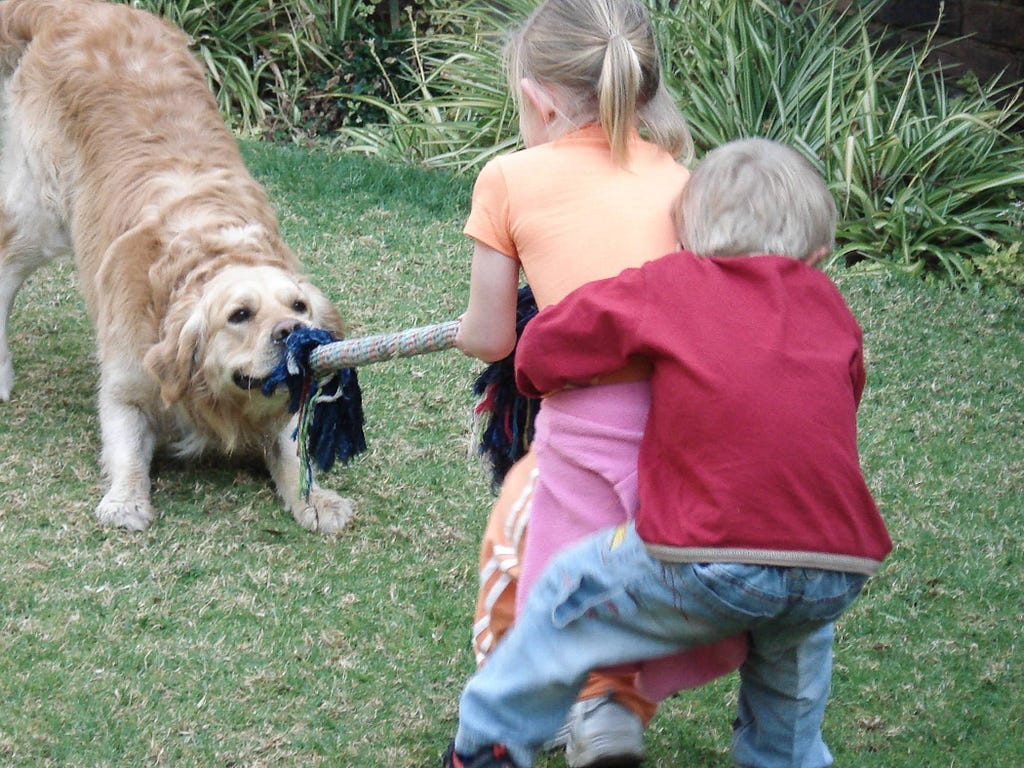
227 636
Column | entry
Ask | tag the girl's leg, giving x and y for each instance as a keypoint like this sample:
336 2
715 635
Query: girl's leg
500 556
587 442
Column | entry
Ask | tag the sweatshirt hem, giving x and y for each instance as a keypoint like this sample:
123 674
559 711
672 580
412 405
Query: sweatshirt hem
825 561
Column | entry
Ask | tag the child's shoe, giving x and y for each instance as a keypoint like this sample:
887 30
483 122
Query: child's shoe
495 756
604 734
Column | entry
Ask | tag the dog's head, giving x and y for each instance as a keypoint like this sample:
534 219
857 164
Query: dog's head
219 345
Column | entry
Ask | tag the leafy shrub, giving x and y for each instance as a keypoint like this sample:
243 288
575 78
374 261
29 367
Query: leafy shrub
1003 268
926 175
270 64
925 180
447 103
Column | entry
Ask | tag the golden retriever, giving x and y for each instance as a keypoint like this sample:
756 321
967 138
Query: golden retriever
113 150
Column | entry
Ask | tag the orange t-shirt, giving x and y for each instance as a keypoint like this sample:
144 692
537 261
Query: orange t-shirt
569 215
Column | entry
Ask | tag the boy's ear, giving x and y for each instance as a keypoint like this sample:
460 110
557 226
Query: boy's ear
540 99
813 259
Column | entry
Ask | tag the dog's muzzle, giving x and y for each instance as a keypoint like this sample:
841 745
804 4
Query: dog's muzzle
278 337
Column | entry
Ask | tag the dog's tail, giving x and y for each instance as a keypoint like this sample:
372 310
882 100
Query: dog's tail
20 21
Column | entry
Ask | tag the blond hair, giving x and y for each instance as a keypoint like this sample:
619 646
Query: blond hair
755 196
602 57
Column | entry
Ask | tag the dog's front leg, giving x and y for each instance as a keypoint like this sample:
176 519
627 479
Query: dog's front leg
324 511
128 445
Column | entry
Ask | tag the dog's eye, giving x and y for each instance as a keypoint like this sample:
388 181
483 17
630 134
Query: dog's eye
240 315
300 306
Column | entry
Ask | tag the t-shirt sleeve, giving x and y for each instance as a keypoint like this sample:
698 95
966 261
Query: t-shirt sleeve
489 216
592 332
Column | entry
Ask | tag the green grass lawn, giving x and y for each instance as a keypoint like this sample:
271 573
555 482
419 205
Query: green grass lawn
227 636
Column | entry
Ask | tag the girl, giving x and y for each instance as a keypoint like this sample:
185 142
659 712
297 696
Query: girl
588 197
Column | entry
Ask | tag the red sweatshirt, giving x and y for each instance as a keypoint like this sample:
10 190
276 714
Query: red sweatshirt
750 451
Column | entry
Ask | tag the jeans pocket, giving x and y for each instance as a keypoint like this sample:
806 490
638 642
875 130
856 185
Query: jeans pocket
739 590
585 597
837 592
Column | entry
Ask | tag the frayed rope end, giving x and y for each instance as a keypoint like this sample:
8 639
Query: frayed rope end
330 407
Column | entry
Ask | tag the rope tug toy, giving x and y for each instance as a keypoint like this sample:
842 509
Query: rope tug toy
324 389
319 372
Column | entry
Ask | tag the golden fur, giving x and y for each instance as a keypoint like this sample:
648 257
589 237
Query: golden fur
113 149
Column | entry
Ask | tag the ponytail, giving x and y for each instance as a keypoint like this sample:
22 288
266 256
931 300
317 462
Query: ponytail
617 91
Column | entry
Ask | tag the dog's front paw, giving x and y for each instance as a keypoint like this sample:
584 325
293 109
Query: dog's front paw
130 514
324 512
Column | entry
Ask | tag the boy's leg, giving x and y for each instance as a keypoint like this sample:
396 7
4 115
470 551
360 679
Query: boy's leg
606 603
781 705
785 681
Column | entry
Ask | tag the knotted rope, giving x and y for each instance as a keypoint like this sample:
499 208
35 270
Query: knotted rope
320 374
323 388
376 349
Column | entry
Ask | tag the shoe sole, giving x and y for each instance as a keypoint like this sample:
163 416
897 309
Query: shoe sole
614 762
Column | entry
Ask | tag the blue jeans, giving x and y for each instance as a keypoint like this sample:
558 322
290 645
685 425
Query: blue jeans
606 602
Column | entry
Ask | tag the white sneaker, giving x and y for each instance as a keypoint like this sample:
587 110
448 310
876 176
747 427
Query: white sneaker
558 741
603 734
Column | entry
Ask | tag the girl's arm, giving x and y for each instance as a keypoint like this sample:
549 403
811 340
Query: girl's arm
488 329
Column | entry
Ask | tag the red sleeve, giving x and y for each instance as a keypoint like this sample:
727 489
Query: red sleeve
592 332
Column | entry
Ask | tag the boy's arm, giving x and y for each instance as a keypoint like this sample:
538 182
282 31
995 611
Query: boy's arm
590 333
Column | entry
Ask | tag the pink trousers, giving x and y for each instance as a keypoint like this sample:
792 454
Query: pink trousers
586 443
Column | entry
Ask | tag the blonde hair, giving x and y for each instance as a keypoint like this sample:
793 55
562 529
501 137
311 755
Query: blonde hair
603 58
755 196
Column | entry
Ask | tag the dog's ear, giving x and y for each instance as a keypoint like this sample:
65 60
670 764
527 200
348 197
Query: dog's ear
324 313
176 358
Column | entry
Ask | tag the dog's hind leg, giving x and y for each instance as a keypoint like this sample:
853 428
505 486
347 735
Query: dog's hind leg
31 234
18 260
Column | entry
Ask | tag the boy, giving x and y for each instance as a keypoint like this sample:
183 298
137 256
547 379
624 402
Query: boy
754 514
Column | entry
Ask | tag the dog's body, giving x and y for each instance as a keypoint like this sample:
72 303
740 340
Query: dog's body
113 149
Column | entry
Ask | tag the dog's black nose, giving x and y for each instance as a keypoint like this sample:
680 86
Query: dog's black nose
283 329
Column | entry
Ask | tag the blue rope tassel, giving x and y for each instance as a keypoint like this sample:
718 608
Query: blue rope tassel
505 416
330 407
